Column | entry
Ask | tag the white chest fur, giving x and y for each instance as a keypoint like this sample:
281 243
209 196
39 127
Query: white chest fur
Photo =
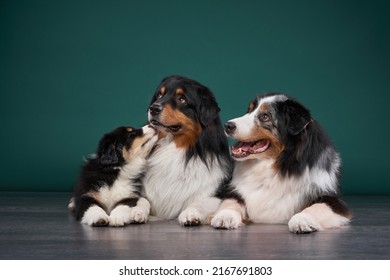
268 197
171 184
122 186
109 196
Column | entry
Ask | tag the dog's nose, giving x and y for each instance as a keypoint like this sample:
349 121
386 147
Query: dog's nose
155 109
230 127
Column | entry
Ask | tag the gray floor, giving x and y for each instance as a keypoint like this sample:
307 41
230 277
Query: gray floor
38 226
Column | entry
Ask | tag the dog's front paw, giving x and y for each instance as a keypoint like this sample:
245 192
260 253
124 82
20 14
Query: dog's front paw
190 217
139 215
303 223
227 219
95 216
120 216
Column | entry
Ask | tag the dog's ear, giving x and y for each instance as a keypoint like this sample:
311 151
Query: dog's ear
297 116
207 109
109 149
108 155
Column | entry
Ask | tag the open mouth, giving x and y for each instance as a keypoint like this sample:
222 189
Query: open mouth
244 149
172 128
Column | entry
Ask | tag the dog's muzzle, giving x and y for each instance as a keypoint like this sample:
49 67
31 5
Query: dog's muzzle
155 109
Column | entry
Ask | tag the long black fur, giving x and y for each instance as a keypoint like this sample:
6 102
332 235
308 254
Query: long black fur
303 138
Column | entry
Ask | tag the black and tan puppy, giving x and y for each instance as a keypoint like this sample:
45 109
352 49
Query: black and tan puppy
108 191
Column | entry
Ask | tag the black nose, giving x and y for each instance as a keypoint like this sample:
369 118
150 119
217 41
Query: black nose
230 127
155 109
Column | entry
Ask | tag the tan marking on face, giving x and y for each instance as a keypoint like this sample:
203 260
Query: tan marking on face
162 90
190 130
138 141
129 129
179 91
264 107
127 153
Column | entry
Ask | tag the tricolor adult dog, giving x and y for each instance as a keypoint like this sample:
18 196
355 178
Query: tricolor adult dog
191 161
286 171
108 191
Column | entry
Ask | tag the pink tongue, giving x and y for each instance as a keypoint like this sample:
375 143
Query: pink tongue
260 146
240 148
244 148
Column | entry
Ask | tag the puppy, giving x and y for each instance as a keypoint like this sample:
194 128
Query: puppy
287 170
108 191
191 161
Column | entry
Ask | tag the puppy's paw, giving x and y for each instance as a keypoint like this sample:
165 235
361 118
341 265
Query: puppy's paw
303 223
227 219
120 216
190 217
95 216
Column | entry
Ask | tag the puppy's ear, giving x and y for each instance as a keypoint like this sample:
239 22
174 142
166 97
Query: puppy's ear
297 116
108 155
107 152
207 109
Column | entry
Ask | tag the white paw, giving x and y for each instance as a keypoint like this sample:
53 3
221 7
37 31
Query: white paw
95 216
139 215
303 223
227 219
190 217
120 216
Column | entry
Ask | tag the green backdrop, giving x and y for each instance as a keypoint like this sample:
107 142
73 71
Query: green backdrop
73 70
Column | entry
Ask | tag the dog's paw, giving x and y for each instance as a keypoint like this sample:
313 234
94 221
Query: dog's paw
139 215
227 219
190 217
120 216
303 223
95 216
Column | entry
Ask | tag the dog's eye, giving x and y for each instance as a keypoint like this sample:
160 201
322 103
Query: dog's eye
264 117
159 95
181 99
